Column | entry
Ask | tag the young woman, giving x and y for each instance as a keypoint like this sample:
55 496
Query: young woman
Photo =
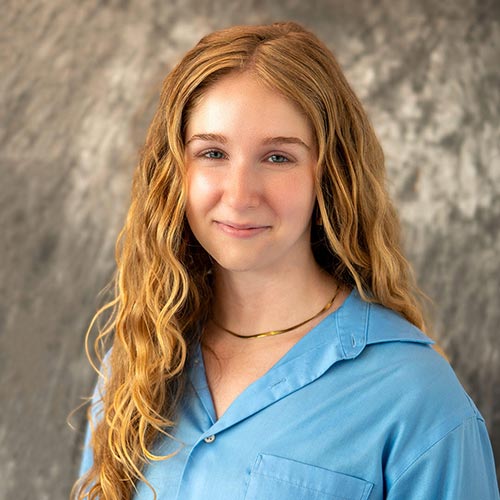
267 340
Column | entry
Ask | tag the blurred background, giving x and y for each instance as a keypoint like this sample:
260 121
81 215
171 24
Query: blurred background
78 85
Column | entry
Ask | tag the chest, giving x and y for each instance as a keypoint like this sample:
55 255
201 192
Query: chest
230 373
290 440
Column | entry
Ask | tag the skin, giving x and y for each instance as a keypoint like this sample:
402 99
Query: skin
251 164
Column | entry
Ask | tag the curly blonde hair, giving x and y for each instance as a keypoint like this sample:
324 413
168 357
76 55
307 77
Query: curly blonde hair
162 286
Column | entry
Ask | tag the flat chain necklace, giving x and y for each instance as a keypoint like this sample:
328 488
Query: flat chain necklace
279 332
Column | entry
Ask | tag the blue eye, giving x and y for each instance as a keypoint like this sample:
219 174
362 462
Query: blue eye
214 154
278 159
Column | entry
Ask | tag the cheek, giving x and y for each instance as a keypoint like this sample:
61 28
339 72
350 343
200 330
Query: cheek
294 198
202 191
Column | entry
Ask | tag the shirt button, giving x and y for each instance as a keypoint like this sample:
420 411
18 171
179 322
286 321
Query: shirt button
209 439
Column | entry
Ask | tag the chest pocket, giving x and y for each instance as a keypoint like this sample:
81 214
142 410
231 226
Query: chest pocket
283 479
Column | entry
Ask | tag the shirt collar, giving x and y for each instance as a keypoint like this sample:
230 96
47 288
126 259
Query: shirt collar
341 335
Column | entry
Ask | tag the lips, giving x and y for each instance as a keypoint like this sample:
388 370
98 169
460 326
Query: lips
245 230
235 225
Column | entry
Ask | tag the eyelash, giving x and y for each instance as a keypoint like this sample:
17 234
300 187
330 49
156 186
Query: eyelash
287 160
205 154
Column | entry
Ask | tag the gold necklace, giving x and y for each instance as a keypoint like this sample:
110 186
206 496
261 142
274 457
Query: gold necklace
279 332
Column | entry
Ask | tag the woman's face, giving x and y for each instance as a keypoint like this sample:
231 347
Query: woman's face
250 161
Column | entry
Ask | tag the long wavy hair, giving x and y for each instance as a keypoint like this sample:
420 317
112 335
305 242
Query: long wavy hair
163 281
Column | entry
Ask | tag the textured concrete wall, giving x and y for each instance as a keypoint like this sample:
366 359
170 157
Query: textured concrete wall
78 83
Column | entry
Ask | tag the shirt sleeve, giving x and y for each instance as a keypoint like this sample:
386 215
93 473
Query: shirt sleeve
459 466
87 458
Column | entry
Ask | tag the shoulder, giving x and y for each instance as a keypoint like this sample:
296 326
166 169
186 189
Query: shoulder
401 374
415 393
413 388
372 333
421 379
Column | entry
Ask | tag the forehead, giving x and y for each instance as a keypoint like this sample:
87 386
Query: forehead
241 102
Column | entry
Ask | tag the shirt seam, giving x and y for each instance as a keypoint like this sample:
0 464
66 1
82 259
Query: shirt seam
420 455
474 408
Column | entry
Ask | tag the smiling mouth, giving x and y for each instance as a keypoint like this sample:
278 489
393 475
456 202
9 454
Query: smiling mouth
239 226
240 230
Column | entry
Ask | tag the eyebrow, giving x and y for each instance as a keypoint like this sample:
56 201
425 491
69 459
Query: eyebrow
267 141
285 140
207 137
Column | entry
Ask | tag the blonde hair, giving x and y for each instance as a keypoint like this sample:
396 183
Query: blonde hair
162 286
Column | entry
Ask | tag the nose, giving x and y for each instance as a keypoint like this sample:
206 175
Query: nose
242 186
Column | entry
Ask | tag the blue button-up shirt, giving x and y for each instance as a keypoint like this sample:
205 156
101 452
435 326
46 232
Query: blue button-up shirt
360 408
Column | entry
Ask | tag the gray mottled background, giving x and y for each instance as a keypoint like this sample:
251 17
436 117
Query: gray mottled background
78 85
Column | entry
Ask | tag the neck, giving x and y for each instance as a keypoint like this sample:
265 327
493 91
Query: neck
253 302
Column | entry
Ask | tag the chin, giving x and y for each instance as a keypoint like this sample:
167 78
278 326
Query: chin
240 263
236 267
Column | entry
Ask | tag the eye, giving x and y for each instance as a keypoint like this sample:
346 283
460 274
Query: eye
277 158
213 154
